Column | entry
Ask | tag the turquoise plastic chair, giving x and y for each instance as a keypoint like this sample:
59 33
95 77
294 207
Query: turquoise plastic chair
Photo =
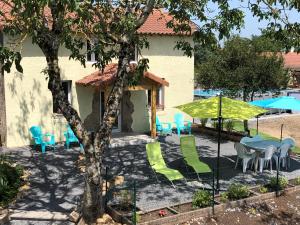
71 138
163 128
182 125
39 138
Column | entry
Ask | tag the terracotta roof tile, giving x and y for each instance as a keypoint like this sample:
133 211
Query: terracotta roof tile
292 60
108 76
6 10
155 24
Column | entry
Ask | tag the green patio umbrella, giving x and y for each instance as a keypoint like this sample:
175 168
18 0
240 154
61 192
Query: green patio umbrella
219 108
231 109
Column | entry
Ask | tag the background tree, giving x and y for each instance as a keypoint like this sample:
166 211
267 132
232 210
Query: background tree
265 43
52 24
240 69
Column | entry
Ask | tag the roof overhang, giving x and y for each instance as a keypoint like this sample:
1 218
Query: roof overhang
108 76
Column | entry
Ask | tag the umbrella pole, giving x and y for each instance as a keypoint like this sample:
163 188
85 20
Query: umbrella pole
219 142
257 125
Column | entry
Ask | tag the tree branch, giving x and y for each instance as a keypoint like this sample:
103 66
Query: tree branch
145 14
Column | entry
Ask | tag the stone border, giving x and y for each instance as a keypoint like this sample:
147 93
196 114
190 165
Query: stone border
4 216
203 212
38 215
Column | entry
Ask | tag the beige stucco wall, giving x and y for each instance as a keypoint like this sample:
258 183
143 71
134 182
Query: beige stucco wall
29 102
176 68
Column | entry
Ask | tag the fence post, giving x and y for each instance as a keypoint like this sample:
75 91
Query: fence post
213 192
277 178
134 222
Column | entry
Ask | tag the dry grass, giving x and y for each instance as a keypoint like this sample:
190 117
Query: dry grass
291 127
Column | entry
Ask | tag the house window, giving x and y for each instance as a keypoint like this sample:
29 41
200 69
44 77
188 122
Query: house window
90 55
159 98
67 86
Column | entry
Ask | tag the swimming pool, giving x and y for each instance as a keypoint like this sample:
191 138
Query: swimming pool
206 93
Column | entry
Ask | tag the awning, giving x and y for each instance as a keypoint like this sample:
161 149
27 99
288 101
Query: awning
107 77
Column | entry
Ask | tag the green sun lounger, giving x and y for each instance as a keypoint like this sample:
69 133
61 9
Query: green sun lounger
158 164
190 155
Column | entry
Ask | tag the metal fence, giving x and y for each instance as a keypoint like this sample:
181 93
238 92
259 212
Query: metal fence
124 197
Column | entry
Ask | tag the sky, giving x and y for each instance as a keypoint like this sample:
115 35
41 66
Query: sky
252 25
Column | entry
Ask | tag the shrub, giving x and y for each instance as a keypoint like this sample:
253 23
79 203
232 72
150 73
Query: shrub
215 124
202 198
125 198
238 191
297 181
229 125
4 158
263 189
282 181
19 170
224 197
137 218
10 182
203 122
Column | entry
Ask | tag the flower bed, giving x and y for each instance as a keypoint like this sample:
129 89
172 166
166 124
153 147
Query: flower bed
183 212
156 215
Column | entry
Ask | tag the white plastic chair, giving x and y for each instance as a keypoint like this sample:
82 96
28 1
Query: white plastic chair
243 153
283 154
292 143
289 140
267 158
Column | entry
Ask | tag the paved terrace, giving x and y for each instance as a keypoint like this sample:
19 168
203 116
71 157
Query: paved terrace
56 185
131 162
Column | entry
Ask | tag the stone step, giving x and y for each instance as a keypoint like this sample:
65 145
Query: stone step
37 215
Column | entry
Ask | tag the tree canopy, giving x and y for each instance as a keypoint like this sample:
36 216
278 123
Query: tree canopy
265 43
240 69
280 27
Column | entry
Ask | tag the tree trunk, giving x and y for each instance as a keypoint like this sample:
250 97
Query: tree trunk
246 128
3 126
94 144
92 204
92 198
252 96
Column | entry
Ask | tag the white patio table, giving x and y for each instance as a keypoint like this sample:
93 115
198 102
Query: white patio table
260 147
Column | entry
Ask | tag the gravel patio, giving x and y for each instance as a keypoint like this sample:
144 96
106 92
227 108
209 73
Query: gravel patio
131 162
56 184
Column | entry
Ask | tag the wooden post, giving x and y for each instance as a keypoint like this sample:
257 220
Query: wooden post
153 111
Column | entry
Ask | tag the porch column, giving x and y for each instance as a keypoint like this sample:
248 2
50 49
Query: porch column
153 111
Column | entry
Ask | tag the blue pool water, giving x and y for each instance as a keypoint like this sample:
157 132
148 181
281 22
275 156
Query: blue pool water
206 93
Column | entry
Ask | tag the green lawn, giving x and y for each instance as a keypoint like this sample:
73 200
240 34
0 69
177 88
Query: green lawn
239 126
